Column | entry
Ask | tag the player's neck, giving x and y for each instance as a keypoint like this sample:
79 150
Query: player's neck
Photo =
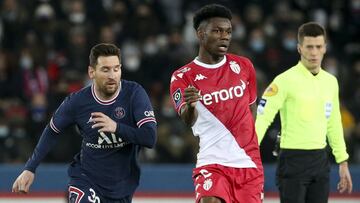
206 57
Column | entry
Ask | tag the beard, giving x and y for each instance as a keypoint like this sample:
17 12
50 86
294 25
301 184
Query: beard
109 90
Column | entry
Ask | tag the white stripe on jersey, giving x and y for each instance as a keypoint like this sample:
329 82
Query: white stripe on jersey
145 120
217 144
53 127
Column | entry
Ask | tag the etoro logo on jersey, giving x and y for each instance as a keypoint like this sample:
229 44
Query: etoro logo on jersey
224 94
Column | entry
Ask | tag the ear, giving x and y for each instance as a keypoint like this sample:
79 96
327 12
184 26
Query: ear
298 48
91 72
200 34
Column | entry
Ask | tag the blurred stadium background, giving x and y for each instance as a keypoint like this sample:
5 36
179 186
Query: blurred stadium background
44 47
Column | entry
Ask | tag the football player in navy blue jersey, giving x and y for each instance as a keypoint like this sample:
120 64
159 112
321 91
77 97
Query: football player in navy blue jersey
115 119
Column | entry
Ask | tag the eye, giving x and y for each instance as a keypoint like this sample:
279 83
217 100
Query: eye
216 31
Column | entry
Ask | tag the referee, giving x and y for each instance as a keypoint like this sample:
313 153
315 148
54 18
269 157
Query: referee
308 100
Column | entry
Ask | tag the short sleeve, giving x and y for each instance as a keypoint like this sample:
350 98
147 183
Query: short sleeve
252 83
177 87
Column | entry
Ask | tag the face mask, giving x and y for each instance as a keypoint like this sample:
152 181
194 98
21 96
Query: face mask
132 63
168 112
77 18
150 48
257 45
26 62
332 70
4 131
289 44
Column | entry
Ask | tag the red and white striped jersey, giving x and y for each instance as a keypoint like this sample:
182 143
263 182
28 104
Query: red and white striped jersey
224 124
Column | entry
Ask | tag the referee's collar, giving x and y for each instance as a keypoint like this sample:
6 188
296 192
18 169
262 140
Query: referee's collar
305 71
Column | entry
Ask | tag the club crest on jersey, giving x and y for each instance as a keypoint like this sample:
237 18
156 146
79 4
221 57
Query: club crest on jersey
119 112
207 184
235 67
177 97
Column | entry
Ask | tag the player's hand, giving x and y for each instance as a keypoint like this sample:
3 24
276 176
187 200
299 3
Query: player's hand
191 96
345 183
23 182
103 122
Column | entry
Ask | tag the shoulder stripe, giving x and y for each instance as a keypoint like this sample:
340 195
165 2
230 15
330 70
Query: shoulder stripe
179 109
53 127
145 120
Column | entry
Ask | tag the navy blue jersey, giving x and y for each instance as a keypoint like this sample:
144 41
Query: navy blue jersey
107 160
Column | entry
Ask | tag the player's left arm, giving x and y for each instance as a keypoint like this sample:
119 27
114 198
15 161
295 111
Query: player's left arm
144 134
336 140
335 132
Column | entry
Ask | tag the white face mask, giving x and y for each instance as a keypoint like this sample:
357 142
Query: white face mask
26 62
4 131
77 18
332 70
289 44
132 63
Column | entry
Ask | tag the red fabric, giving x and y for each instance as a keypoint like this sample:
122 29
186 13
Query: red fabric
234 185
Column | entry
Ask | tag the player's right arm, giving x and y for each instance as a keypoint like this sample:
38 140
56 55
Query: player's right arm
184 97
61 119
188 112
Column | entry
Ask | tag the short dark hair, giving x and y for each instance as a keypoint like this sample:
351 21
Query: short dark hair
210 11
103 49
310 29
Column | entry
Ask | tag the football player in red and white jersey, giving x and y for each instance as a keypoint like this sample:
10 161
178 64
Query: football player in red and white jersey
215 94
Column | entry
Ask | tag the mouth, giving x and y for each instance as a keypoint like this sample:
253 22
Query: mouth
110 84
223 47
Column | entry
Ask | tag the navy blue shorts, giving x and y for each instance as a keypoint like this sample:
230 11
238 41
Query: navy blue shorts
81 191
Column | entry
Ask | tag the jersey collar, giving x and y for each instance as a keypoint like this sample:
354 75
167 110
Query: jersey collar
104 102
306 72
211 66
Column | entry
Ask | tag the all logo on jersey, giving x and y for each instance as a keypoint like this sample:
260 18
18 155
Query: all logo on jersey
199 77
235 67
271 90
119 112
177 97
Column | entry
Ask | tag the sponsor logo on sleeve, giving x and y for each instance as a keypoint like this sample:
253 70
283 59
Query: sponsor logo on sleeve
271 90
184 70
177 97
261 106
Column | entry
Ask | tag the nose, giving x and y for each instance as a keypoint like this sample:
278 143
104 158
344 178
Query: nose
111 74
